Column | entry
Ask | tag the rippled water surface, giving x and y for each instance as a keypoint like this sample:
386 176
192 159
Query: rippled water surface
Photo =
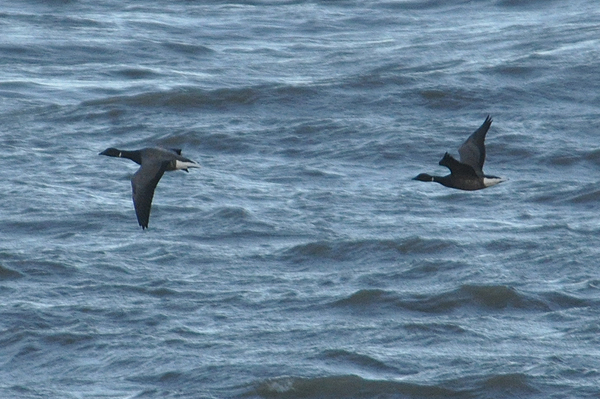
301 260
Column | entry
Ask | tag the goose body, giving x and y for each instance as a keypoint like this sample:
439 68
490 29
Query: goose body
466 174
154 162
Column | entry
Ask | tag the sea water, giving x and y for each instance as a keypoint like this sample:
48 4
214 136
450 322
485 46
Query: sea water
301 260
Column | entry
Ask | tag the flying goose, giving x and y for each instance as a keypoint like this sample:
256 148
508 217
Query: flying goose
468 173
154 162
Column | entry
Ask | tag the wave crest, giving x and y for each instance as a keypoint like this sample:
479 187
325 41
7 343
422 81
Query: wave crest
346 386
360 249
488 297
193 97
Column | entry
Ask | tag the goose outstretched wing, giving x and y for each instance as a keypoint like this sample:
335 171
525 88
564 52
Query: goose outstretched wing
472 151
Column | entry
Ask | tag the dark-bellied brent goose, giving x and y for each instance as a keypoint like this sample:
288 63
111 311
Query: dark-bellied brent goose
468 173
154 162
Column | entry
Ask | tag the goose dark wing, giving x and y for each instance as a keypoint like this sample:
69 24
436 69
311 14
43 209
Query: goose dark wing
143 184
472 152
457 168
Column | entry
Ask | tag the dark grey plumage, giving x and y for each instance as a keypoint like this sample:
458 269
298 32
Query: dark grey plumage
472 151
154 162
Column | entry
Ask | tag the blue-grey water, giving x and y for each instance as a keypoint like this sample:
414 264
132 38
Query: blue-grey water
301 260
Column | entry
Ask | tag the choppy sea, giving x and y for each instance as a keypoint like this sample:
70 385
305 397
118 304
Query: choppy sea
301 260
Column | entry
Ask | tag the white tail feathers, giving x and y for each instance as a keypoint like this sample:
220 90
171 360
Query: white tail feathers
492 181
185 165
